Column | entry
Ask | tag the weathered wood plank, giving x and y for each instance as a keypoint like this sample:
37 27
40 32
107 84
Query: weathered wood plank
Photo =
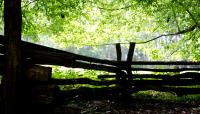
36 48
165 70
139 76
118 51
49 58
106 76
2 63
194 75
2 39
83 81
37 54
57 61
94 66
27 45
129 60
167 77
165 63
119 58
44 53
159 83
38 73
2 49
130 52
33 72
159 76
175 82
77 81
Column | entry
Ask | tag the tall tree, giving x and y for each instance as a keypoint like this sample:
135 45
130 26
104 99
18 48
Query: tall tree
12 32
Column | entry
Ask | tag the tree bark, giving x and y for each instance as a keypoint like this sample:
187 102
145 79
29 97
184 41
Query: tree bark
12 32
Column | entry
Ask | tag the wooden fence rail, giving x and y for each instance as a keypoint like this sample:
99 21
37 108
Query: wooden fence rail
37 54
170 82
159 76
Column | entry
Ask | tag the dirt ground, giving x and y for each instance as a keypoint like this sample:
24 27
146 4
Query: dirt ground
85 104
133 106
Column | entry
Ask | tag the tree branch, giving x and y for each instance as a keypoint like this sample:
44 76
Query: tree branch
190 29
191 15
180 45
197 25
45 7
27 3
113 9
174 14
188 11
1 4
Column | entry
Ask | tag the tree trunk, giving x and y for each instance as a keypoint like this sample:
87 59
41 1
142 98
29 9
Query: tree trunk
12 32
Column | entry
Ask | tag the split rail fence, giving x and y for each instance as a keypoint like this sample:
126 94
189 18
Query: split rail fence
34 55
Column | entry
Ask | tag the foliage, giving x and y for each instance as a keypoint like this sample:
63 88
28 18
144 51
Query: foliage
151 94
69 73
165 96
1 77
90 22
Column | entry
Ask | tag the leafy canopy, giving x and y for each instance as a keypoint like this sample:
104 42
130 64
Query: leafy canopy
91 22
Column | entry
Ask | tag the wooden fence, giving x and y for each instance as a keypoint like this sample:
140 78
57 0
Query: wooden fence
36 54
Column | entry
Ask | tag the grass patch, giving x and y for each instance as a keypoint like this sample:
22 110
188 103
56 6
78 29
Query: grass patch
71 73
77 86
165 96
157 95
1 77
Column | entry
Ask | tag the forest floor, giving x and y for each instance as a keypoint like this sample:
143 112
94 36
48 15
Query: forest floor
145 102
151 103
133 106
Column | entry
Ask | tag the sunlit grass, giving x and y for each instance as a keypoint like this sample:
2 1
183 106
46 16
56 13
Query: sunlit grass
1 79
72 73
69 73
151 94
77 86
165 96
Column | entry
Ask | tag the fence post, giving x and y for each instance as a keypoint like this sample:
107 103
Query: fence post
119 52
119 57
129 60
